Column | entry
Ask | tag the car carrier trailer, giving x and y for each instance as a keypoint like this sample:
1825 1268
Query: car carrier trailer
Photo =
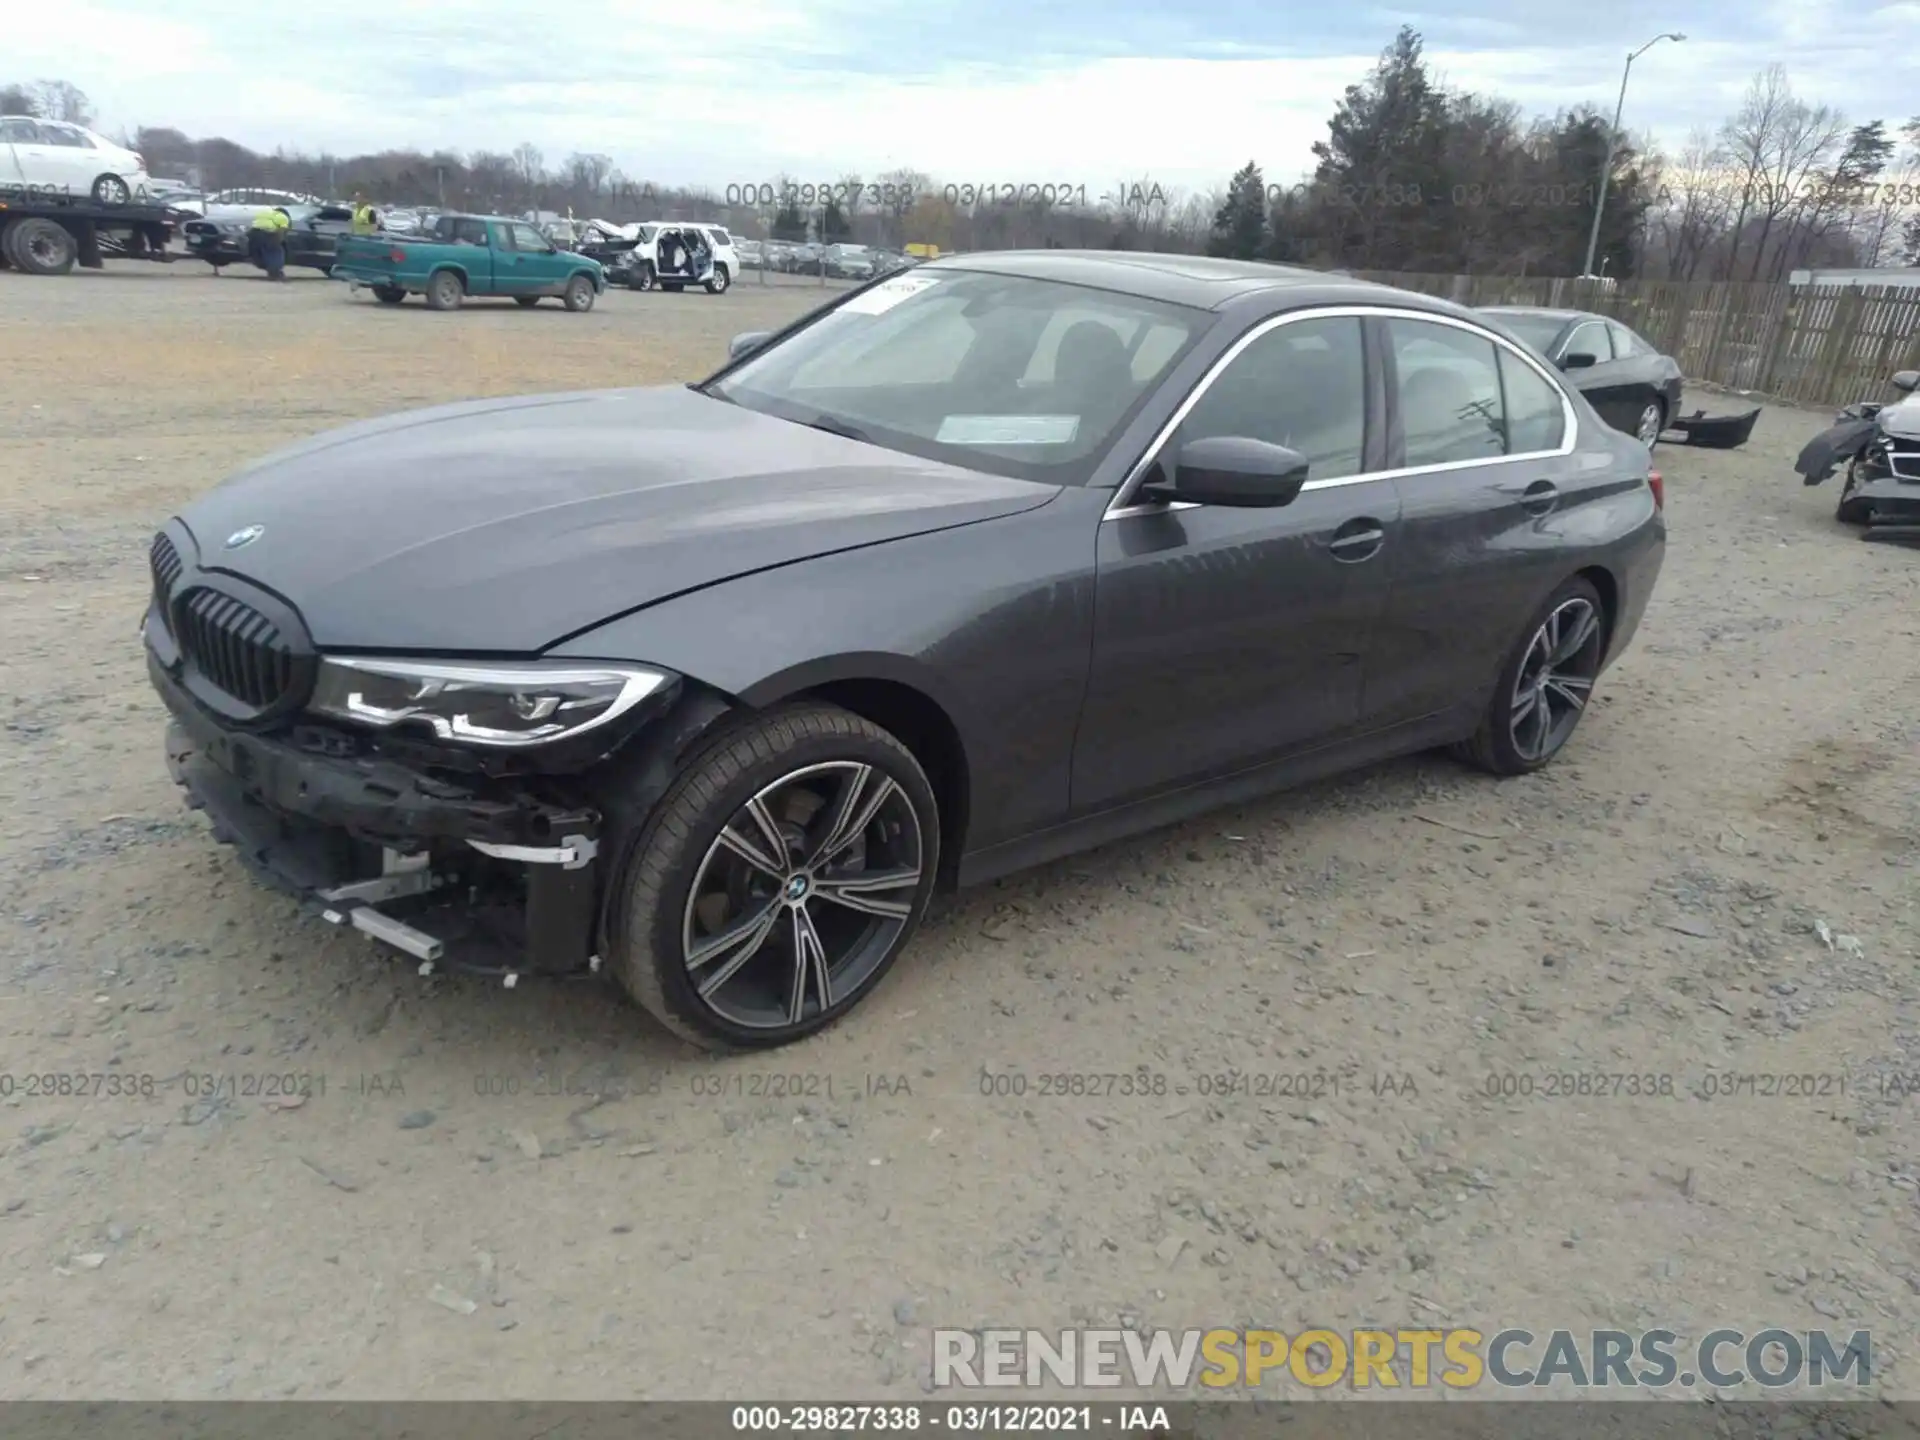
45 232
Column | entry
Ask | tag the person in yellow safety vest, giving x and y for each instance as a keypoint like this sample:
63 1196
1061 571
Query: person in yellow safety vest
366 220
269 236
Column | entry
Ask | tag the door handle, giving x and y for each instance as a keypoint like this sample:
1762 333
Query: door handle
1359 539
1540 497
1536 498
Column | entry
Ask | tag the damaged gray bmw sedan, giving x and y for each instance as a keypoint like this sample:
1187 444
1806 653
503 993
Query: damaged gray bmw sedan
710 687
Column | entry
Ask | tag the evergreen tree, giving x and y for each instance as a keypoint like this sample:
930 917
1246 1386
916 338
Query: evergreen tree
789 223
1240 224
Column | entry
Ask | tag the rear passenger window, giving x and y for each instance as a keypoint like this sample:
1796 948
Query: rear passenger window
1535 419
1449 393
1301 385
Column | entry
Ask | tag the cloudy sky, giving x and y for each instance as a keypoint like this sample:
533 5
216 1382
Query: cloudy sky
989 91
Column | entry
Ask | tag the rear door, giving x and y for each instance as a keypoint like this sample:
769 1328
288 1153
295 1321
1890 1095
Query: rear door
1226 637
1489 491
41 162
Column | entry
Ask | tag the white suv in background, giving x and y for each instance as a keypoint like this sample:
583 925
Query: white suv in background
56 158
639 270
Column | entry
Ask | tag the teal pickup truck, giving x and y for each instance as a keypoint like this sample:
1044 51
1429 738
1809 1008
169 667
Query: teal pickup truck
465 255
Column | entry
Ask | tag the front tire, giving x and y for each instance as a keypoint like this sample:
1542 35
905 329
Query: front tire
641 278
1545 685
781 875
111 190
578 296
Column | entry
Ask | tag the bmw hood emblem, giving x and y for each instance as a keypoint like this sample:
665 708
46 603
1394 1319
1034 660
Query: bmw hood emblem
245 537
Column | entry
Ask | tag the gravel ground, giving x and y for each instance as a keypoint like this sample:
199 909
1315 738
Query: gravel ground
536 1193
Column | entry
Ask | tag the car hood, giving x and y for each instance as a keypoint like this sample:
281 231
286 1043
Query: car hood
505 526
1902 419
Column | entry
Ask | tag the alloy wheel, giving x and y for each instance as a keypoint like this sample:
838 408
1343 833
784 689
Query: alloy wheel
802 895
1556 678
1649 427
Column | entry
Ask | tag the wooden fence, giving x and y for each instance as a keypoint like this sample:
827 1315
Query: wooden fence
1815 345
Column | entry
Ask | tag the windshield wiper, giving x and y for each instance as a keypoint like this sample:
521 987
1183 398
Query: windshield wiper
838 427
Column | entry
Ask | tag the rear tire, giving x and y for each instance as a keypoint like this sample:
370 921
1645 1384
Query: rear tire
445 292
111 190
806 769
578 296
389 294
1545 686
720 281
1653 419
41 247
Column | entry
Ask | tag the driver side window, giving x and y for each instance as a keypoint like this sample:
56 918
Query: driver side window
1301 385
526 238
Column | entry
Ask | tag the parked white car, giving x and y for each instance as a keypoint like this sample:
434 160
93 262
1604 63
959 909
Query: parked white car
56 158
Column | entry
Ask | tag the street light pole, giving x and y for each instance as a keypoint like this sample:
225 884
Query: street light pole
1613 143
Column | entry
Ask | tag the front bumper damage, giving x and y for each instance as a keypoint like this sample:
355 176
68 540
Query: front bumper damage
485 874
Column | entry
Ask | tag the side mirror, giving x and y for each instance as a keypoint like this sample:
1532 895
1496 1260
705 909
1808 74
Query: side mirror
747 342
1578 360
1234 470
1908 380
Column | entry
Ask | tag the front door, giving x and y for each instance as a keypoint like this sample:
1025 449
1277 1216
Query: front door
1602 382
520 268
1224 637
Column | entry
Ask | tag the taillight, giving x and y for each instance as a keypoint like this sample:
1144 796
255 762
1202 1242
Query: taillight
1659 488
396 255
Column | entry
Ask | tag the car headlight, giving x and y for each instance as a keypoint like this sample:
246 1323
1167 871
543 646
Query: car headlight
501 705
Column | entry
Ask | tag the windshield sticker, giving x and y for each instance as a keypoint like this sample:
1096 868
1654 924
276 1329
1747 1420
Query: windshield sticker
884 296
1008 430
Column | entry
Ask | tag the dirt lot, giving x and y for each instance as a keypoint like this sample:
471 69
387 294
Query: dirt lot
451 1215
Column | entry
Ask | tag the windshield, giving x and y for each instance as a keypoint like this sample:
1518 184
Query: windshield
1022 377
1537 330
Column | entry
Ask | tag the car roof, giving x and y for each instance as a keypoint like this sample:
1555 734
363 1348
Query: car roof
1201 281
1563 316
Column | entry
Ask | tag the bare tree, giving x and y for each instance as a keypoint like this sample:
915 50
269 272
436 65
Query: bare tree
1698 205
62 100
900 191
530 168
587 174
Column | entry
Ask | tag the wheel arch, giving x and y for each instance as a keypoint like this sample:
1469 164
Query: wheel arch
1604 581
902 699
449 267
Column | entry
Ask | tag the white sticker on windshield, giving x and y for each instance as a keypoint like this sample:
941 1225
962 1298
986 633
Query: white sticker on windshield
1008 430
889 293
